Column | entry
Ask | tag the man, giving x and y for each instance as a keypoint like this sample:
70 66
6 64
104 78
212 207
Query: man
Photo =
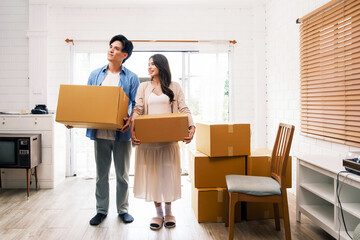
109 141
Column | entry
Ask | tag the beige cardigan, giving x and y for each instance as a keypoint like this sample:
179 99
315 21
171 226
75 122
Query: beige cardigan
178 105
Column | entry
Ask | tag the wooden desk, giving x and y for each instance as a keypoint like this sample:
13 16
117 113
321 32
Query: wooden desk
27 180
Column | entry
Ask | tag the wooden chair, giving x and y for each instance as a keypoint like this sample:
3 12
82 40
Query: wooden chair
243 188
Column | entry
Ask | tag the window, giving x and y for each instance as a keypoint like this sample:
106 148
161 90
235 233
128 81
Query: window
203 89
330 73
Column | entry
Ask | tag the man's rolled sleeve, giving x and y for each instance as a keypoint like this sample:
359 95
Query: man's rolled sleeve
134 87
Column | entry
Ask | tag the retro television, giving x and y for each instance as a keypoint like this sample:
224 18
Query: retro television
20 150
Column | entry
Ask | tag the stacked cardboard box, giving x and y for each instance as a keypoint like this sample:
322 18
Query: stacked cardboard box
258 164
223 140
222 149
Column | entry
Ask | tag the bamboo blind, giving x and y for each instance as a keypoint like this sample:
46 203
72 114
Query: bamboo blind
330 74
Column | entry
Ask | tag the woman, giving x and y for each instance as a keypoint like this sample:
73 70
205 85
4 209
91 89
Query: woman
157 165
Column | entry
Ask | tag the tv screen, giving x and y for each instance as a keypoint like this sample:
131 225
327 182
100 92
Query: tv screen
7 153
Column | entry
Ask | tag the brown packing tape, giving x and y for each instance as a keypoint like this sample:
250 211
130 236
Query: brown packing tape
230 151
230 128
231 148
220 199
220 196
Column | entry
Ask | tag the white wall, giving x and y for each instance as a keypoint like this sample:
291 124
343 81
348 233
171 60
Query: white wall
14 85
283 80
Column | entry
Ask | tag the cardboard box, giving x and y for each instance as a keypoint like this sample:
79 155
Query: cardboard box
210 172
221 140
259 164
171 127
209 204
257 210
96 107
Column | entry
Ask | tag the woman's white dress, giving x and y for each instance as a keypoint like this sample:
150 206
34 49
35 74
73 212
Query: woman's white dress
157 165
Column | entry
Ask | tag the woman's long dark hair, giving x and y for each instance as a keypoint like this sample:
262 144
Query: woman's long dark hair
162 64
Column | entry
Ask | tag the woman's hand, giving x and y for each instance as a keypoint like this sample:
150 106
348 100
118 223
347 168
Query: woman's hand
132 133
135 140
191 134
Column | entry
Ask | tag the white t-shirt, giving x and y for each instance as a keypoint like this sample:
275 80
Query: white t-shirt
158 104
111 79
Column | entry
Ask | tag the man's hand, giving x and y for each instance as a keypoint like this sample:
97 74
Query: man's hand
191 135
126 125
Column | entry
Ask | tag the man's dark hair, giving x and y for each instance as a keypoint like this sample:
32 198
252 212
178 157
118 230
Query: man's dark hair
127 45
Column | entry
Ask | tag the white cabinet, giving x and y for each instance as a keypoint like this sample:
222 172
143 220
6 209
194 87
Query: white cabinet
316 198
53 149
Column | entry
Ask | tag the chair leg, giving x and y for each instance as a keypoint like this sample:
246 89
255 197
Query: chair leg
232 203
276 216
227 211
286 216
28 182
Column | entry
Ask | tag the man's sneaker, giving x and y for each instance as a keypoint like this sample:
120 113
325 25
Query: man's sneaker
97 219
127 218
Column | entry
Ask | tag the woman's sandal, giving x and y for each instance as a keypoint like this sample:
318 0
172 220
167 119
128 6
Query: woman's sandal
156 223
170 221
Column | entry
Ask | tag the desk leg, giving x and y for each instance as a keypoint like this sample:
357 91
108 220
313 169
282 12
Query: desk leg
28 182
36 178
298 216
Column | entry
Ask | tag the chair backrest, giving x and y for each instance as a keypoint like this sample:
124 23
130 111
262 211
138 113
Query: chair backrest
280 153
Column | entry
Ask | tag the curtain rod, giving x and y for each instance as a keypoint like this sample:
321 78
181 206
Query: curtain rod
319 10
163 41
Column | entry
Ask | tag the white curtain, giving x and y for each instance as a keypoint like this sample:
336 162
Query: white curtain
214 71
87 56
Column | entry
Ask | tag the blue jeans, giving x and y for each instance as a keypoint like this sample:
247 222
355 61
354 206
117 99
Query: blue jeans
121 154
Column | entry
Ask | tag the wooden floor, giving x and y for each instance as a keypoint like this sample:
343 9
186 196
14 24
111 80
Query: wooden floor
64 213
